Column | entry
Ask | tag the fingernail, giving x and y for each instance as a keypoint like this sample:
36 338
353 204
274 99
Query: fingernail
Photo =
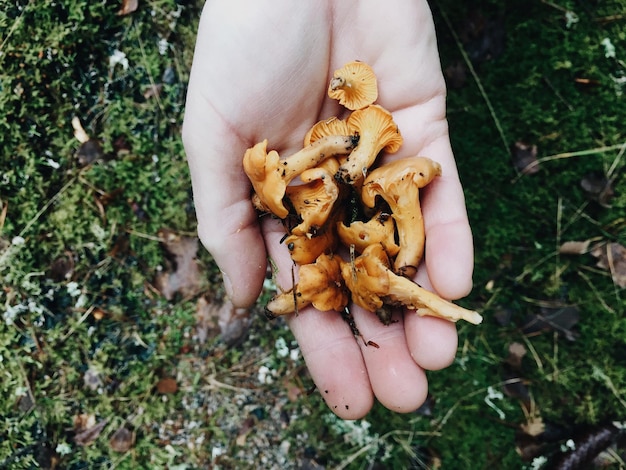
228 286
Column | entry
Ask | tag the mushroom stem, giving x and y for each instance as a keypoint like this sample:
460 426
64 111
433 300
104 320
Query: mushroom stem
314 153
399 184
405 292
374 286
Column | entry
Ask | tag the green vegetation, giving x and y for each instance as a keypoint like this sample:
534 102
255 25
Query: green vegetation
99 370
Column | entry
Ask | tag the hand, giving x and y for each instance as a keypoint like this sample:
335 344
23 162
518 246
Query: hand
260 71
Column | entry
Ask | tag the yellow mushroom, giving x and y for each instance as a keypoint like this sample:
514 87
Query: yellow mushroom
313 201
354 85
305 249
319 284
376 131
330 126
270 174
379 229
376 288
398 183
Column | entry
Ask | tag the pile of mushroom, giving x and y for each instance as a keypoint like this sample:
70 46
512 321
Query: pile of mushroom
354 228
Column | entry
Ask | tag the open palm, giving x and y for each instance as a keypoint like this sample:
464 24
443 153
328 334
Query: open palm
260 71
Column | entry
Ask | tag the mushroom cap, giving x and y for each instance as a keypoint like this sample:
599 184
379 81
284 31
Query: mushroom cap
313 201
377 131
366 277
330 126
270 174
377 123
392 179
379 229
354 85
263 171
305 249
320 284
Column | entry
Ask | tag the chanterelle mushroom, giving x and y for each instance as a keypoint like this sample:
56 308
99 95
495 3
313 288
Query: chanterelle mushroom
379 229
304 249
270 175
377 131
313 201
320 284
374 286
354 85
330 126
398 183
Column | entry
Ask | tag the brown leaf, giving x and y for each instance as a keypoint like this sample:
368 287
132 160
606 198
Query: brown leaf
122 440
598 188
213 318
167 385
557 318
246 427
524 158
233 323
87 431
612 257
128 6
183 275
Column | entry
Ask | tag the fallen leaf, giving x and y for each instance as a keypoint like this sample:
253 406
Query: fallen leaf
183 276
246 428
524 158
612 257
86 429
122 440
558 318
128 6
167 385
213 318
233 322
598 188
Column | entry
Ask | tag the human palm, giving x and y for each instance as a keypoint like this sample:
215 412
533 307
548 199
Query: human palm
260 71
